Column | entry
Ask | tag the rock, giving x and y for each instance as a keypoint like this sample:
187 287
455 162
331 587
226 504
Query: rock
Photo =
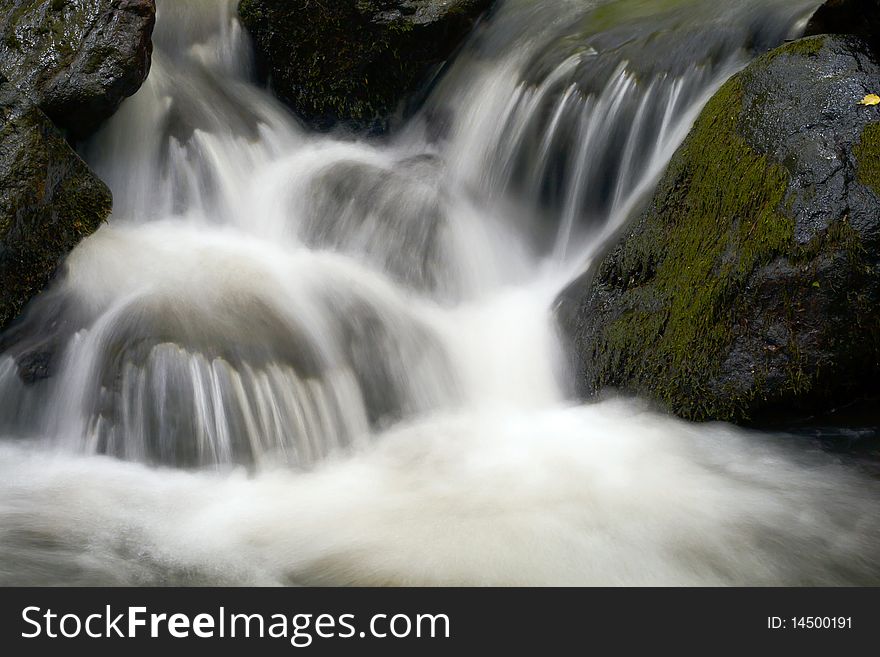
749 286
640 57
49 200
36 366
857 17
394 217
354 62
77 59
661 38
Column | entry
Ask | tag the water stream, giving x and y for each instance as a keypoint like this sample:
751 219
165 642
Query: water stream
298 358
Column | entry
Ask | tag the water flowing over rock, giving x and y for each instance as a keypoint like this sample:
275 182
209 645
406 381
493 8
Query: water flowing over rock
258 350
77 59
49 200
354 62
395 215
584 121
300 358
751 283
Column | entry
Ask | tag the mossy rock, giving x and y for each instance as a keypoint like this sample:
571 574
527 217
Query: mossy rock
355 63
77 59
749 286
49 200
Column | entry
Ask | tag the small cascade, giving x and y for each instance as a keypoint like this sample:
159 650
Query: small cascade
300 358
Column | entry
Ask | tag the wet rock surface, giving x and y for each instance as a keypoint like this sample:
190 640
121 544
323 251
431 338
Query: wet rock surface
355 63
750 284
77 59
49 200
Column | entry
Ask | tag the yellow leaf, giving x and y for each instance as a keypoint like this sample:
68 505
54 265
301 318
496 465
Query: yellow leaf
870 99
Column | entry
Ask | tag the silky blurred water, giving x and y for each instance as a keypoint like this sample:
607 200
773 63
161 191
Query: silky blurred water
299 358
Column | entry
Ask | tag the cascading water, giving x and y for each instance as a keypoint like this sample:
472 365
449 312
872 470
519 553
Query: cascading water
365 327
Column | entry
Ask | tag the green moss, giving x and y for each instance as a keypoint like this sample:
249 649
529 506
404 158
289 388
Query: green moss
721 217
867 154
710 305
809 47
720 214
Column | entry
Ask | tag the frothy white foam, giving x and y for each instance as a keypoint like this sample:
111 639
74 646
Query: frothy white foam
609 494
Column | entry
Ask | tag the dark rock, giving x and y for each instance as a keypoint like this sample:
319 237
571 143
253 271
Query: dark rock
49 200
77 59
750 284
35 366
354 62
857 17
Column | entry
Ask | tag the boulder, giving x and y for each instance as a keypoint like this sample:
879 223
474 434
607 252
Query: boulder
394 217
77 59
354 62
49 200
857 17
749 287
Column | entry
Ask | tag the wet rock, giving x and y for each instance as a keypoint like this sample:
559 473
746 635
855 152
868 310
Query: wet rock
749 287
355 62
49 200
392 217
857 17
77 59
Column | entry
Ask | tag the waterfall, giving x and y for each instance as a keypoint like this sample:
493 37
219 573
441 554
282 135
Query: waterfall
324 359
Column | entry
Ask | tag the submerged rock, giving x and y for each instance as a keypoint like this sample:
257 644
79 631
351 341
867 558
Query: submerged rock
750 284
49 200
395 218
77 59
354 62
651 38
857 17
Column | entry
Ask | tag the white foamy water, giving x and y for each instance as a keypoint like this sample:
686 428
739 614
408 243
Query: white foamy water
603 495
293 358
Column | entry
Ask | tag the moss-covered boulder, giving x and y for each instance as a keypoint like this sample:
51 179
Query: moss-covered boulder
750 284
77 59
49 200
355 62
857 17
